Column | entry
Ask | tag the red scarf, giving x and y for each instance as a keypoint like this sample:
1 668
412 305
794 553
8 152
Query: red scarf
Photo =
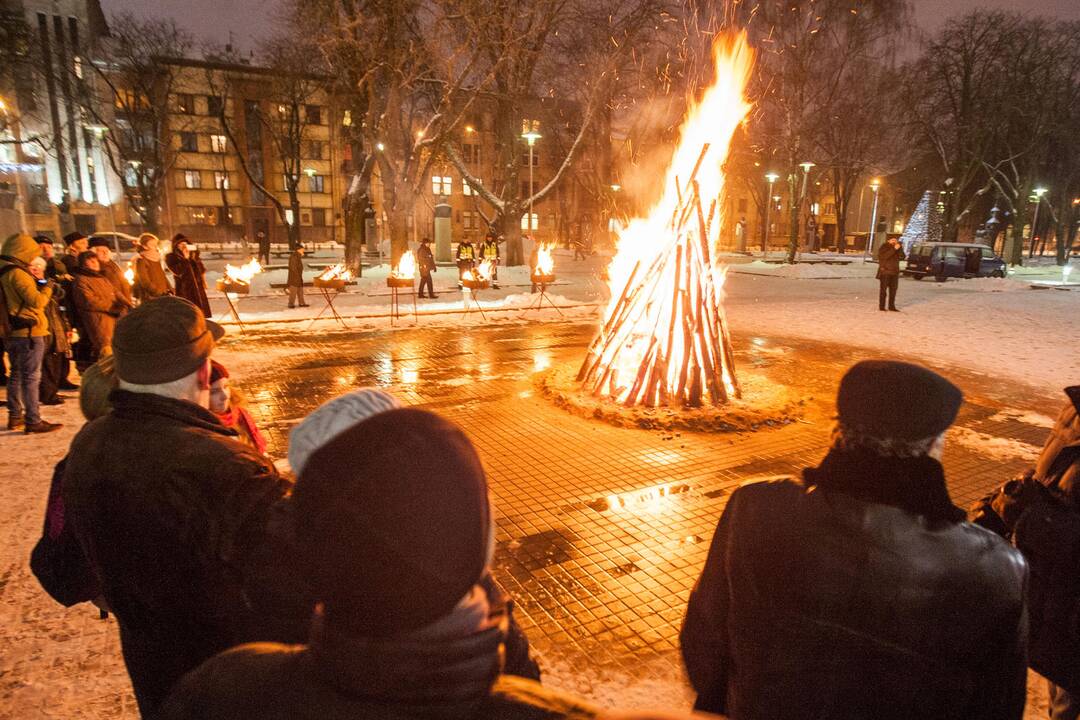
240 419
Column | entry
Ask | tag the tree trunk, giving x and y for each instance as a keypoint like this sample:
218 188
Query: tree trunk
1020 218
511 230
293 228
399 206
794 201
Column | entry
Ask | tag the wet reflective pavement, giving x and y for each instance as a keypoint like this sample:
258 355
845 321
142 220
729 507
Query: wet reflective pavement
601 582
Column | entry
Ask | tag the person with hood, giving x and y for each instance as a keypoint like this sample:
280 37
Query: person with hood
150 279
889 256
294 282
1040 513
182 524
26 332
76 243
110 269
861 592
395 532
98 305
189 273
426 263
230 406
54 362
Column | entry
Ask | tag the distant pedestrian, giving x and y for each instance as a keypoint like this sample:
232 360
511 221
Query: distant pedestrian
1040 513
110 269
401 489
740 235
489 252
75 243
230 406
466 257
888 274
189 273
55 360
150 279
294 281
98 305
861 592
426 263
178 519
263 242
25 328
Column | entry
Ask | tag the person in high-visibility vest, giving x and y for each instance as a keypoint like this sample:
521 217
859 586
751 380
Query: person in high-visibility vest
489 250
466 257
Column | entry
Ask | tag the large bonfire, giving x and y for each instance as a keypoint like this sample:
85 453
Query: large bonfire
664 340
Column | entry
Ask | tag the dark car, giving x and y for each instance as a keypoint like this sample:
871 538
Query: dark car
945 260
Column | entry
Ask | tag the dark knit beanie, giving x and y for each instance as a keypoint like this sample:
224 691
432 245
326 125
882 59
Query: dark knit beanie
889 399
393 521
99 242
162 340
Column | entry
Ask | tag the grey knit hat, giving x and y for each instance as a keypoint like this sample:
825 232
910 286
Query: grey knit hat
333 417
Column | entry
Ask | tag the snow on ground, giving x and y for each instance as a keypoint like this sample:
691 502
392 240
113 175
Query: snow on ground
998 448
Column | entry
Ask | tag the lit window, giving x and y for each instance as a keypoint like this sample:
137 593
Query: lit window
441 185
192 179
466 189
78 67
316 183
288 217
525 221
528 125
221 180
218 143
346 118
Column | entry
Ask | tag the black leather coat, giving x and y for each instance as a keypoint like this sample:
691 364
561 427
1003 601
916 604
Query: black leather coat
814 604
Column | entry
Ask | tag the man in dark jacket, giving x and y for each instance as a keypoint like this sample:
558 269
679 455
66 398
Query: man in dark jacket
263 242
57 347
178 518
110 269
861 592
888 273
1040 513
294 283
394 527
56 271
76 244
189 273
426 262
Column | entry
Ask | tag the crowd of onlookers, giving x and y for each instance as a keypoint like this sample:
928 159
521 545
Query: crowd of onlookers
360 585
61 310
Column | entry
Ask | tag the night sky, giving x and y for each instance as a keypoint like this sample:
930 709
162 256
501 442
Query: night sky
249 19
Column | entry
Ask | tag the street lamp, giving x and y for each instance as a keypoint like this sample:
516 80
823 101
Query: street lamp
531 137
875 185
772 178
1039 192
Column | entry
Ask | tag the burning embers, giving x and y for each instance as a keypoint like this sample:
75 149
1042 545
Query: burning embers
405 272
333 277
544 272
665 340
237 280
478 278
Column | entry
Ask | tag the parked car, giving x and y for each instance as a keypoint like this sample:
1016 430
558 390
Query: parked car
945 260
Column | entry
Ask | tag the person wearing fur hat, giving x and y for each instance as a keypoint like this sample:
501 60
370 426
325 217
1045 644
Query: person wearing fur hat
150 279
181 522
228 403
1040 513
396 534
189 273
97 304
861 592
75 243
109 268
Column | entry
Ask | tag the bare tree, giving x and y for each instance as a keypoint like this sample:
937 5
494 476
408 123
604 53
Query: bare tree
127 94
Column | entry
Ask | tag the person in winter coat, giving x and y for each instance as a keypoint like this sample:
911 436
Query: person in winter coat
76 244
26 332
228 403
150 279
56 271
889 256
1040 513
110 269
98 305
466 257
861 592
263 242
489 250
58 561
188 273
57 347
426 263
295 280
402 489
182 523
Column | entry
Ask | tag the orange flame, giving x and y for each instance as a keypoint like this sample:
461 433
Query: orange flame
660 324
406 268
242 275
336 272
545 264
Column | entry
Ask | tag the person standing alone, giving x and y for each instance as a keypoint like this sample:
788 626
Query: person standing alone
426 261
295 281
889 256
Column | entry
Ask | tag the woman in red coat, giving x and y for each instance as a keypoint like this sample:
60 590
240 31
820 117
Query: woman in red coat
188 273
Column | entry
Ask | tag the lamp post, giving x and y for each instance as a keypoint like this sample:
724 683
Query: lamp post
531 137
875 184
310 172
1039 192
772 178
